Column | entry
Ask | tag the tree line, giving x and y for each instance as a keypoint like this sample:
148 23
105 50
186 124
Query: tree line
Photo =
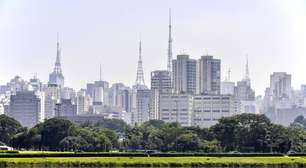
243 133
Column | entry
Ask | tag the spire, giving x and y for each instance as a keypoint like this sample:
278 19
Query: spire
140 76
169 66
100 73
229 74
57 67
247 75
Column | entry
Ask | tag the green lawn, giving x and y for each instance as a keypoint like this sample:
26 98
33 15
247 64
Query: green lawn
154 161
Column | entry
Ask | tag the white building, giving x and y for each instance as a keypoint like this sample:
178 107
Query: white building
228 88
142 112
208 109
197 110
176 108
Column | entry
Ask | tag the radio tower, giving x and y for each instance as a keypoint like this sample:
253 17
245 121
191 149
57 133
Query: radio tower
169 66
140 76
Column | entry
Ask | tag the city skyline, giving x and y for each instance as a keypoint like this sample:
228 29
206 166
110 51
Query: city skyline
26 52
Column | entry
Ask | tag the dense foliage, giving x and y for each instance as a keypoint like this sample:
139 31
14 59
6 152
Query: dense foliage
8 128
60 134
243 133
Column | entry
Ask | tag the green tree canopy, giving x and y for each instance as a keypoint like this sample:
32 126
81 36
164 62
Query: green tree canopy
8 128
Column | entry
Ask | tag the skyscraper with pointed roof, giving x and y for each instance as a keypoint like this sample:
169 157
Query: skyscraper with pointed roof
56 77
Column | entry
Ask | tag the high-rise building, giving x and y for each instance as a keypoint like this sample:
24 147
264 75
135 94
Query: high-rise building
120 96
68 93
176 108
160 84
184 74
227 88
197 110
50 107
303 90
114 94
17 84
208 109
104 86
82 103
280 85
161 81
142 113
36 84
98 92
56 77
243 91
65 108
27 107
208 75
90 89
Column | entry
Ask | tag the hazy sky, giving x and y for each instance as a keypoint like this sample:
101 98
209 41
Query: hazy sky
93 32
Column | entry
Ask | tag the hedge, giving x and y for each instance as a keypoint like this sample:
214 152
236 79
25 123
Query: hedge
89 154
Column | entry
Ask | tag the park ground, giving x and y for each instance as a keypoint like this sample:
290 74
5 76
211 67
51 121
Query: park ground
178 161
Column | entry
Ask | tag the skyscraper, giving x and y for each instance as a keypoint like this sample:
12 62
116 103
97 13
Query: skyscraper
142 113
160 84
56 77
184 74
27 107
280 85
209 74
161 81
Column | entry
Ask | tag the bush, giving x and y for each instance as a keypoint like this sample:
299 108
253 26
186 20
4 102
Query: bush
9 151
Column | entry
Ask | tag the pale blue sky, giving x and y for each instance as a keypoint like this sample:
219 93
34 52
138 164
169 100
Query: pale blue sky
272 32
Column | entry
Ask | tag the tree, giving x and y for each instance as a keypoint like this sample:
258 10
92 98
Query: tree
188 142
226 132
154 123
133 138
279 139
112 124
245 132
53 131
73 143
8 128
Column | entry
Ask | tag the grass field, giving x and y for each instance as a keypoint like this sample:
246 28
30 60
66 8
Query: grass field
155 162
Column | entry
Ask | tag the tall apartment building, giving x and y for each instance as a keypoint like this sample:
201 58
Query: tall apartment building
120 96
82 103
142 112
27 107
65 108
184 74
208 75
160 84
